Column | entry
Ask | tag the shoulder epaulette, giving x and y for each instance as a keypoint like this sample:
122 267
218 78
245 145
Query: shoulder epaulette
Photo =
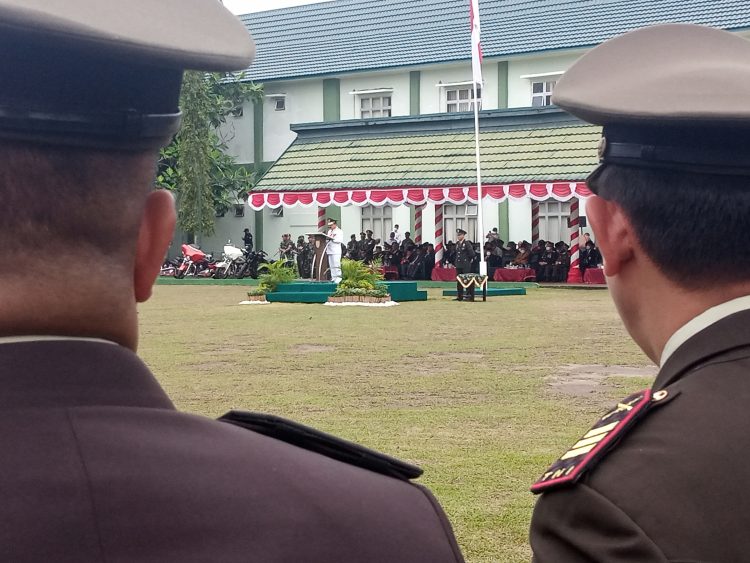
598 441
322 443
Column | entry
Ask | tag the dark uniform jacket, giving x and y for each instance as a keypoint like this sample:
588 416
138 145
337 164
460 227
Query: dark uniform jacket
464 256
676 486
97 465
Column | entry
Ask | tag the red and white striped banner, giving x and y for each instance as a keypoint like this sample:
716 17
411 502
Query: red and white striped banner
574 273
438 234
418 224
534 222
458 195
321 218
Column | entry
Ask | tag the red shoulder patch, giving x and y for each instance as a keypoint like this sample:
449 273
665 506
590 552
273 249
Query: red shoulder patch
595 443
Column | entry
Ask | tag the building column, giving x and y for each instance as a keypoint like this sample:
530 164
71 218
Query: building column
438 233
418 224
574 273
534 222
321 218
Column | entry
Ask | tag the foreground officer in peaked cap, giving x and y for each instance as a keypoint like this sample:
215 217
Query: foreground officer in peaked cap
96 463
663 475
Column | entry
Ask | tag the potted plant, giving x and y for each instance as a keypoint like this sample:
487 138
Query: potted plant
274 273
360 283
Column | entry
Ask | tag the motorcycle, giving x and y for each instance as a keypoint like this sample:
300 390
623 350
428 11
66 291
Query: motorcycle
233 260
253 261
169 267
195 262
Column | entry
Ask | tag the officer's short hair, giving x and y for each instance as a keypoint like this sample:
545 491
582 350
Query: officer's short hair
693 226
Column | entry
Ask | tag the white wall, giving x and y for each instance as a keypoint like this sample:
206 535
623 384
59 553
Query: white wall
237 133
519 89
519 220
296 220
304 104
372 81
351 221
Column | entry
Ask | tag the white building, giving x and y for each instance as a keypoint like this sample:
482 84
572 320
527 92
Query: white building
354 88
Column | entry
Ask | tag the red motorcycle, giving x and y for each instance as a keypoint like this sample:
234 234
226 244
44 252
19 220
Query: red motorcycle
195 262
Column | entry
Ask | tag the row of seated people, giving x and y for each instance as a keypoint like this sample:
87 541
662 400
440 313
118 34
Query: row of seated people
411 262
550 261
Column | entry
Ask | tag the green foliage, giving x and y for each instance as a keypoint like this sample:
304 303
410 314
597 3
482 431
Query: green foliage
275 273
358 275
195 166
257 291
379 291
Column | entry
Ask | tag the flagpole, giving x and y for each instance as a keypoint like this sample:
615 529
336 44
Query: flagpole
480 214
476 70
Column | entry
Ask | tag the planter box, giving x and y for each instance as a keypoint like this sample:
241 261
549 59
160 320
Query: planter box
358 299
256 298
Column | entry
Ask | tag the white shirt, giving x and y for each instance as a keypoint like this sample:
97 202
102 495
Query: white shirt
334 246
702 321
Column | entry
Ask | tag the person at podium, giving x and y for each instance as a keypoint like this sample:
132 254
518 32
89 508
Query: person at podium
333 249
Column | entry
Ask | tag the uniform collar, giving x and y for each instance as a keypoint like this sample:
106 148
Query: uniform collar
704 339
702 321
49 372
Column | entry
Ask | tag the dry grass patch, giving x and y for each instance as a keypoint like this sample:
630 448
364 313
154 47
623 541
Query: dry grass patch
470 393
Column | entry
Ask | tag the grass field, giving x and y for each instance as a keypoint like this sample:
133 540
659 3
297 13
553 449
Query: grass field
482 395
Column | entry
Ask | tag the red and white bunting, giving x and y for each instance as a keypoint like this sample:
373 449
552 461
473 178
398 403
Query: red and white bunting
560 191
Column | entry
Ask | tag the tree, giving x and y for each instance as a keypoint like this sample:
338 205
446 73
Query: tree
195 166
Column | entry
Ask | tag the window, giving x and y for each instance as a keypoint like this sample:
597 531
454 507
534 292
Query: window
461 98
278 101
379 220
374 106
460 217
553 220
541 93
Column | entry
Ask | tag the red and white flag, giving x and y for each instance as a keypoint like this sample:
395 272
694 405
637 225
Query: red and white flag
476 44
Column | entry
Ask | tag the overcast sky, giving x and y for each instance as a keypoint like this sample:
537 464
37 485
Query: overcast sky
247 6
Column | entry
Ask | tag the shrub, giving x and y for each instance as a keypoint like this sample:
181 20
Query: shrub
274 273
358 275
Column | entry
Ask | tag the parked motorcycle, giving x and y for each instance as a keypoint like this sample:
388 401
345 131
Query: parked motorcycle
231 263
253 262
169 267
195 262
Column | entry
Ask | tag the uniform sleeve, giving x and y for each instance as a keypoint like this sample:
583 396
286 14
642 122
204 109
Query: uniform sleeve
579 524
445 525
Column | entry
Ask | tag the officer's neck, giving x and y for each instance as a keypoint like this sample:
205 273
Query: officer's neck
653 307
73 305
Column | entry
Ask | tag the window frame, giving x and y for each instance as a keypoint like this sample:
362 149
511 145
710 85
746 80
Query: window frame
554 213
373 94
545 79
378 219
468 100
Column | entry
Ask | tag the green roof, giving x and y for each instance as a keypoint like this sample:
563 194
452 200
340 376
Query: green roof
517 146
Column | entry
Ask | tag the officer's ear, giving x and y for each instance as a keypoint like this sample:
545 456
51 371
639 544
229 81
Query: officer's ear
157 229
614 233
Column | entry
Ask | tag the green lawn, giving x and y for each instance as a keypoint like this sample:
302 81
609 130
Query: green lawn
482 395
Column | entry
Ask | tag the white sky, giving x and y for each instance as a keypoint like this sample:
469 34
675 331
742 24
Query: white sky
247 6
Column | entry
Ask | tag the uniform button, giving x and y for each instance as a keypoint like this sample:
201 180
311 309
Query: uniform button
660 395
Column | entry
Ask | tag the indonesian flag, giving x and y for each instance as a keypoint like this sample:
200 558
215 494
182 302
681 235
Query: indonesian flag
476 45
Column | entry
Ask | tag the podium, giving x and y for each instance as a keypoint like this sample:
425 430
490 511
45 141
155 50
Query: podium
320 270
